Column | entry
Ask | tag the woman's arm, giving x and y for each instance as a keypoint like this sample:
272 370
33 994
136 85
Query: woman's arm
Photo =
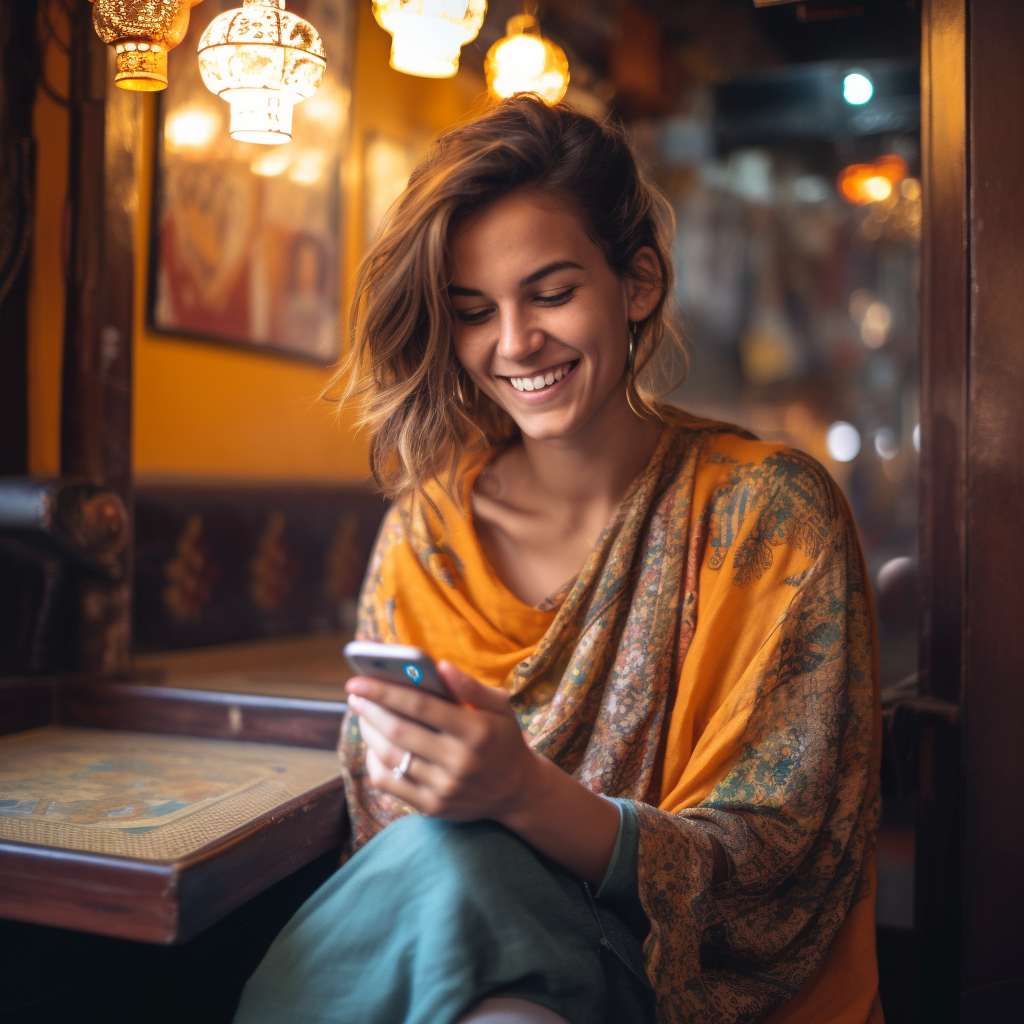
476 765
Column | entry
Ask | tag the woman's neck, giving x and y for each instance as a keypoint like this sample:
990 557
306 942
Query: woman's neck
540 506
587 475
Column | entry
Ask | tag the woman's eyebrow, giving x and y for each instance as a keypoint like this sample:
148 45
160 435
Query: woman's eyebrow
533 278
549 269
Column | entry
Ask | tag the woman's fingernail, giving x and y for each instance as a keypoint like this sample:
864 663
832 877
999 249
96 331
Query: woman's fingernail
355 702
357 686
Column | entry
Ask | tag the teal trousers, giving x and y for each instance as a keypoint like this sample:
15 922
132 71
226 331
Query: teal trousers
431 917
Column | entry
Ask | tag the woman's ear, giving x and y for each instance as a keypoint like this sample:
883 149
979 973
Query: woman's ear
644 285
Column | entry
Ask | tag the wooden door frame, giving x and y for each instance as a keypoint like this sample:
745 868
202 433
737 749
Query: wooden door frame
969 897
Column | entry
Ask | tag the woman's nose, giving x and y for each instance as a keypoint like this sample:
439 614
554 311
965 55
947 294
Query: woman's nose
518 338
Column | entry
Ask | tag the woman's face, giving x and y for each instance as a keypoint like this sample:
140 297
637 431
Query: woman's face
541 320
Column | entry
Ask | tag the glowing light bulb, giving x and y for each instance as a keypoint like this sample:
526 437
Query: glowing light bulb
263 60
857 88
427 36
524 61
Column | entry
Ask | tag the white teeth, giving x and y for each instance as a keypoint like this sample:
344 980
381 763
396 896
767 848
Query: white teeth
540 381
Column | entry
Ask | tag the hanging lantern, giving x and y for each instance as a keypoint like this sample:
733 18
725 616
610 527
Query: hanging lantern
524 61
428 35
141 32
263 60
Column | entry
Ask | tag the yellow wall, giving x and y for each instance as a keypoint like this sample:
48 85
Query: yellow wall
50 124
207 410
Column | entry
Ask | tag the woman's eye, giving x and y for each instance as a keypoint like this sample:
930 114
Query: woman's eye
473 316
557 298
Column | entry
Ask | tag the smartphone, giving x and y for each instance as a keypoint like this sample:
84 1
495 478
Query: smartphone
395 663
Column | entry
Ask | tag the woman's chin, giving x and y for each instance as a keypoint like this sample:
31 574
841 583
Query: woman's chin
552 425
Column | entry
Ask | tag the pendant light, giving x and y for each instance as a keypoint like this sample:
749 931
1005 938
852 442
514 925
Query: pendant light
524 61
263 60
428 35
141 32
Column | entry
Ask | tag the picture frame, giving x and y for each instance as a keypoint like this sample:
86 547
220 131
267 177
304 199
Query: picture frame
246 240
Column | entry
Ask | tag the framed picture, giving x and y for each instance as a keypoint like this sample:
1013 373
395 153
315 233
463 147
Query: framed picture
246 238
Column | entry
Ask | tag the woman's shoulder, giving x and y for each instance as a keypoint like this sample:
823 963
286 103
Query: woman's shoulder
735 467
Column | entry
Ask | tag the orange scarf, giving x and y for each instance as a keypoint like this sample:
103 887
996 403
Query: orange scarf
712 661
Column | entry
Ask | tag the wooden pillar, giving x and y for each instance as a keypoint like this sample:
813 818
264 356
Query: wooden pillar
19 67
993 739
96 404
945 297
970 891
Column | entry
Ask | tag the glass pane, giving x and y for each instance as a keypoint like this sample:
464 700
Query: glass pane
798 202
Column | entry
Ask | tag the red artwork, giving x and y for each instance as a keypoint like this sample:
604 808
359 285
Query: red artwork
247 237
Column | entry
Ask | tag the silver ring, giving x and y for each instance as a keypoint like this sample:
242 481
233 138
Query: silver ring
400 771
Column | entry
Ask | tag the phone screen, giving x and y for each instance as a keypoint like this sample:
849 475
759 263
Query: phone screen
396 664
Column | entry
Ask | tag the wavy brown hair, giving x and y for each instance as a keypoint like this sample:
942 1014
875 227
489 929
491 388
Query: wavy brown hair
422 410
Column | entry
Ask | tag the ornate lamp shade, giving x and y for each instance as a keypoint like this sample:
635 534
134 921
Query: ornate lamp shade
263 60
428 35
524 61
141 32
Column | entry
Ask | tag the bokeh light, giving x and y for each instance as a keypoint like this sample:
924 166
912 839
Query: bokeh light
857 88
871 183
843 441
886 445
874 327
190 128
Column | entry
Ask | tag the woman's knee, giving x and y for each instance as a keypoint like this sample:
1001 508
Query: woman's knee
460 841
511 1011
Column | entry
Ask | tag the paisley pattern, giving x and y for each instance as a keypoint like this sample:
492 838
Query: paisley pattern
713 661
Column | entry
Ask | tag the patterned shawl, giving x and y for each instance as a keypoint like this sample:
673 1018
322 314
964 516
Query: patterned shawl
714 662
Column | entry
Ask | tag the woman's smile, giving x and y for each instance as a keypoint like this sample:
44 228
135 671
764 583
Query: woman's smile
543 380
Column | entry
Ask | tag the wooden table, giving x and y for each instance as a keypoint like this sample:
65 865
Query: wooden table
150 807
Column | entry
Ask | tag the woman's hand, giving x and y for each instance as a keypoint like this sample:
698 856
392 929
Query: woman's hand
469 760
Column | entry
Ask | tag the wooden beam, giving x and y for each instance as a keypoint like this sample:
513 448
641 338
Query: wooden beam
944 332
993 824
96 403
19 66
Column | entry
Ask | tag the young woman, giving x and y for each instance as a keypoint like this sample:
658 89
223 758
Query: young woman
656 796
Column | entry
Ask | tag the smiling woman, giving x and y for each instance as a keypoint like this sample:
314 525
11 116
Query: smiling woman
655 794
547 173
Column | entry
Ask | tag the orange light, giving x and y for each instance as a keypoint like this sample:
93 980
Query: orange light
140 32
871 183
524 61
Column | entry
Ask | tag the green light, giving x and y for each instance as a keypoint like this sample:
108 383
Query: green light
857 88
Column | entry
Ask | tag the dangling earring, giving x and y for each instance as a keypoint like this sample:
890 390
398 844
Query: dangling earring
631 354
460 398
